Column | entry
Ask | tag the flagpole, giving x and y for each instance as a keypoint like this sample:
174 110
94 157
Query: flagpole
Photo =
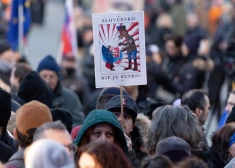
73 32
21 29
60 51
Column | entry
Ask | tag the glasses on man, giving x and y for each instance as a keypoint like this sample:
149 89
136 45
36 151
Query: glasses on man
71 147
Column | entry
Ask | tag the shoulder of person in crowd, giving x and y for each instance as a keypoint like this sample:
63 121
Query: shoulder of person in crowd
203 63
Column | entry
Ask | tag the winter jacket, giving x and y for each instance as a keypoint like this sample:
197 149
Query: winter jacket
102 116
17 99
32 87
143 101
154 77
186 79
139 135
88 71
17 160
184 76
193 38
203 154
8 146
67 100
132 157
78 85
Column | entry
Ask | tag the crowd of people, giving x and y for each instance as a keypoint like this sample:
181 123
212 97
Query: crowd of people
52 116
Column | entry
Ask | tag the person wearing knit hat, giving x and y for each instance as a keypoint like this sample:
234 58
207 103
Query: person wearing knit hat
64 116
46 153
49 63
50 72
7 61
130 111
28 118
97 127
174 148
7 143
32 87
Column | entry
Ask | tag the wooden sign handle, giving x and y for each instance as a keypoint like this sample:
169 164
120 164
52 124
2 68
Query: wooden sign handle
122 112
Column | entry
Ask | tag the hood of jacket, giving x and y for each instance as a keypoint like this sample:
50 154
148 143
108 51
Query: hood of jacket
204 64
32 87
140 131
143 124
102 116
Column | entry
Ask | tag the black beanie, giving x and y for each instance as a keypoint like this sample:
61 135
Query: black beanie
64 116
4 46
5 108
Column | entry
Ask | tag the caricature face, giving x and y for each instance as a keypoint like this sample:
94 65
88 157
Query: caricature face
123 33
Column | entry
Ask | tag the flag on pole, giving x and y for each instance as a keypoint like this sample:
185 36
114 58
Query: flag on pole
19 23
68 36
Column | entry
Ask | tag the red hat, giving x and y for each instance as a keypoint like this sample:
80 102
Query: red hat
75 131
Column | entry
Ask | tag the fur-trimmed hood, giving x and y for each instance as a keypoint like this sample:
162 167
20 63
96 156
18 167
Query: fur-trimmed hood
141 129
143 124
151 141
203 64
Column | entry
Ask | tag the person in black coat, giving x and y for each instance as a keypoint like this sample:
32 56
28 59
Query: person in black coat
32 87
75 81
194 35
8 145
153 64
180 73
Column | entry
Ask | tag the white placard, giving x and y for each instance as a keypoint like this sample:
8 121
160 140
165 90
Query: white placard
119 45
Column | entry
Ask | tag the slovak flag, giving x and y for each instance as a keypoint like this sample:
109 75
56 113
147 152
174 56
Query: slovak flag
68 37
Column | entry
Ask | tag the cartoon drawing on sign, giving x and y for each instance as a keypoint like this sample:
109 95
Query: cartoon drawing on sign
130 46
119 44
119 49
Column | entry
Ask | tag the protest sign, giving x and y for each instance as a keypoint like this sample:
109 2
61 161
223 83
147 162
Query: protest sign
119 45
